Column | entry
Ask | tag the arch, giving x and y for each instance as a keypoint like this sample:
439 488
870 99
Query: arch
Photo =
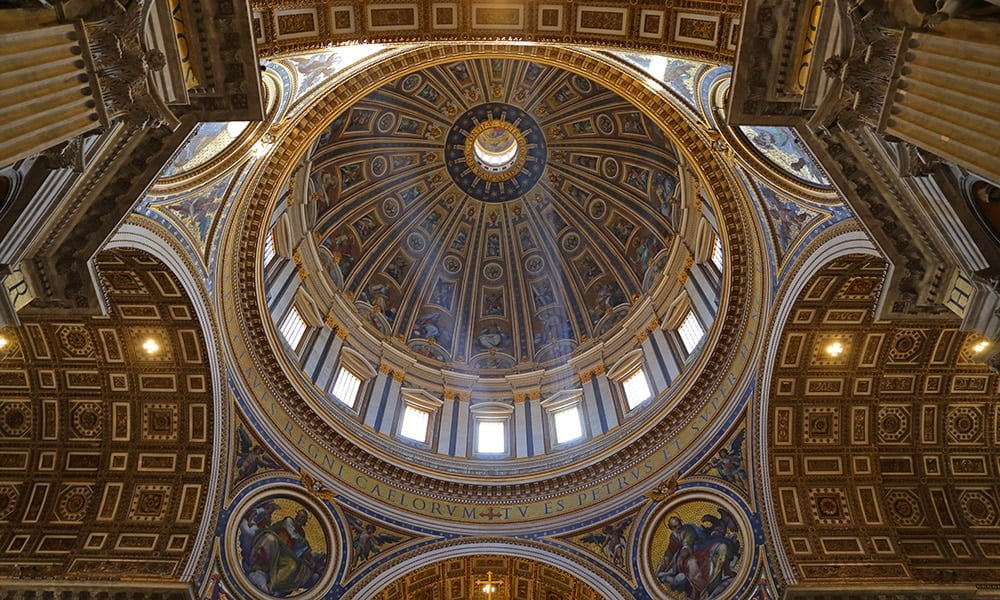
143 234
877 454
369 587
112 417
843 240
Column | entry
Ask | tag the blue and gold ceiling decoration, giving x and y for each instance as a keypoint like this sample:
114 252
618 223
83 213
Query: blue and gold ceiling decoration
493 269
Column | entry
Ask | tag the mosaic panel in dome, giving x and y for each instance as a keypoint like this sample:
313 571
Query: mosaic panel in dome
282 546
315 68
696 551
369 539
729 462
206 142
783 149
678 74
251 457
525 276
610 541
788 219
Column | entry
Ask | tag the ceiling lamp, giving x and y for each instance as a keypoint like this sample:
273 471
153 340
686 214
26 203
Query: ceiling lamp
151 346
980 346
834 349
7 344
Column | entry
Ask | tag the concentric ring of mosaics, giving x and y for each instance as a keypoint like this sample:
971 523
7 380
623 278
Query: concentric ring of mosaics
363 459
488 274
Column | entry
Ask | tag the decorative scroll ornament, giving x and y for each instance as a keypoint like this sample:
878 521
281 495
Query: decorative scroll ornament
68 155
123 66
865 72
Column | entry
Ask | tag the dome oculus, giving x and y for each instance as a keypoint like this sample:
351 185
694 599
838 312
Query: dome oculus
434 220
496 147
495 152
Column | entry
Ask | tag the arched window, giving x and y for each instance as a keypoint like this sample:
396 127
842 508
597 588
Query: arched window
691 332
293 327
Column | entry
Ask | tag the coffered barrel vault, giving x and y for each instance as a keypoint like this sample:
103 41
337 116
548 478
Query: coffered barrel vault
882 459
108 446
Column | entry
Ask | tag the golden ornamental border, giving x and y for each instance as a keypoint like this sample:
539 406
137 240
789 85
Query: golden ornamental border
241 270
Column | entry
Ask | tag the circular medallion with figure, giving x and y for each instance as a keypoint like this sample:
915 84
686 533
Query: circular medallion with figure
281 545
696 549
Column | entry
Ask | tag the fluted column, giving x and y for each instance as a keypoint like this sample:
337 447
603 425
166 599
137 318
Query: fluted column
46 95
946 100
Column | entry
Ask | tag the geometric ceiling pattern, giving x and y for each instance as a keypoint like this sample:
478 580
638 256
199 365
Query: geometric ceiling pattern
490 217
884 460
706 30
493 284
105 449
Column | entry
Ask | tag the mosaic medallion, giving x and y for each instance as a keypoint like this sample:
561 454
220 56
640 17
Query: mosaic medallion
282 546
695 550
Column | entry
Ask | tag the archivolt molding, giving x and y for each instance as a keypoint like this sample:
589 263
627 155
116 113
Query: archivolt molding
841 240
144 234
277 398
388 572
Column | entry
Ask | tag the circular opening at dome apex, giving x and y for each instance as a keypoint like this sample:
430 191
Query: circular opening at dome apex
495 148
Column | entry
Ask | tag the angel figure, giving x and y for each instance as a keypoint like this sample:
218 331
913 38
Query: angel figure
251 457
367 540
611 539
729 463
